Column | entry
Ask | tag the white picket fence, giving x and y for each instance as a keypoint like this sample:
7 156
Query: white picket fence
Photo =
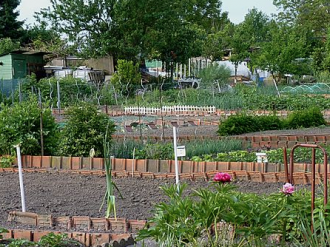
178 109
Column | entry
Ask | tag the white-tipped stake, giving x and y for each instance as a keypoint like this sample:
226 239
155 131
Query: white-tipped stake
20 175
176 159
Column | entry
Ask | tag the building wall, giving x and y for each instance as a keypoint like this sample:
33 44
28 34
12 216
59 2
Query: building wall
6 72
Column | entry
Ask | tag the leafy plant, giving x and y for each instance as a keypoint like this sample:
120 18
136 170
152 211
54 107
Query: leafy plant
311 117
84 130
6 161
20 123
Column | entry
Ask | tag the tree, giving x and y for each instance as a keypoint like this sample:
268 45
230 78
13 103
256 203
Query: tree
88 25
308 15
280 52
85 130
8 45
215 76
10 27
240 46
127 77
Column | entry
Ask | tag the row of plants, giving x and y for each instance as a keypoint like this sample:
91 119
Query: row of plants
240 97
222 216
275 156
243 123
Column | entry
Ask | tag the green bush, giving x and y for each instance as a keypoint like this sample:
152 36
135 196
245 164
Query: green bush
20 123
311 117
269 122
239 124
84 130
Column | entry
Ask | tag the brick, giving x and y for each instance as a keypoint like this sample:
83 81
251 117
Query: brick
22 234
99 238
7 235
100 224
63 222
45 220
136 225
37 235
118 225
23 218
80 236
81 222
119 237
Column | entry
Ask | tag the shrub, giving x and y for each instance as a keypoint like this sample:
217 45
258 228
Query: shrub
84 130
311 117
269 122
238 124
20 123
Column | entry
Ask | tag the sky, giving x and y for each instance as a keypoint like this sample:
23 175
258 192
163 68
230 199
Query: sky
237 9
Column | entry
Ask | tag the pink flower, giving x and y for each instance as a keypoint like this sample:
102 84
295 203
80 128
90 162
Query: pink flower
288 189
222 177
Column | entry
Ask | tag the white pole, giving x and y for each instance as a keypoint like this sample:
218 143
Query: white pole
20 174
176 159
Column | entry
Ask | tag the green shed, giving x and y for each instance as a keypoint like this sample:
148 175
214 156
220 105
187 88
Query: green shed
18 64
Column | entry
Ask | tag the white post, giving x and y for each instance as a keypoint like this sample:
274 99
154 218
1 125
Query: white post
176 159
20 174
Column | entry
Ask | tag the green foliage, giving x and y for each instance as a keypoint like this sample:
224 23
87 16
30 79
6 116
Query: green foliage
72 90
156 151
84 130
247 219
311 117
57 240
2 230
127 77
6 161
49 240
214 76
10 27
20 123
7 45
242 123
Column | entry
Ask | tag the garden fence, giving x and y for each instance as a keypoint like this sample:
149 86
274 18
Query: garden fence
168 109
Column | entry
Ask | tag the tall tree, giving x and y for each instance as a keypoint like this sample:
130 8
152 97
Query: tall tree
10 27
310 15
283 49
87 24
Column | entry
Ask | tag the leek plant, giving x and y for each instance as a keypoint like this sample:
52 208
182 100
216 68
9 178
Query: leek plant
109 196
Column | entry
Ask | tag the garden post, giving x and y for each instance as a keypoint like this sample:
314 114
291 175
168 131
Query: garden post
20 174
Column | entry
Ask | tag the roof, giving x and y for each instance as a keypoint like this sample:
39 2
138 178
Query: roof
25 52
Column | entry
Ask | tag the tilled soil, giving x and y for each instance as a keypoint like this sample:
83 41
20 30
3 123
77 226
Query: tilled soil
211 130
81 195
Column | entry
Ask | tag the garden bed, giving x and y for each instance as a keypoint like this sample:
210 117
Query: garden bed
81 195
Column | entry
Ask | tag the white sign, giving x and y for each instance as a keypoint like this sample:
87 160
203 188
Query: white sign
181 151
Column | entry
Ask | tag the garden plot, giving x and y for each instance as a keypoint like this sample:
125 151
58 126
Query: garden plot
81 195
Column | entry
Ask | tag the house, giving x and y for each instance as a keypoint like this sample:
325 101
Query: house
18 64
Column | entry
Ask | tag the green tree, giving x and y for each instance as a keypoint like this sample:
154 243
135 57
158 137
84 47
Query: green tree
279 54
8 45
127 77
20 123
214 76
308 15
84 130
89 25
10 27
240 46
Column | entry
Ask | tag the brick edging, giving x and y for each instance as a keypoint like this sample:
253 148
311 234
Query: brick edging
254 176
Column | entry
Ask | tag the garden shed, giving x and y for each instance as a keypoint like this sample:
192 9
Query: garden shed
18 64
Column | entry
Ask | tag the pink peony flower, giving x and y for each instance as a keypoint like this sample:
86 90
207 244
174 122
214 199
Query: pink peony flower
222 177
288 189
